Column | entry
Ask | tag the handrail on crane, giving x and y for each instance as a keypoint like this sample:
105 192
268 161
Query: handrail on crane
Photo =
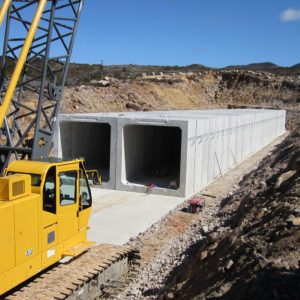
4 10
22 58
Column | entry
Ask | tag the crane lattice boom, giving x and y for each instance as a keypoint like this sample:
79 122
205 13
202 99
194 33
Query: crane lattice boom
34 64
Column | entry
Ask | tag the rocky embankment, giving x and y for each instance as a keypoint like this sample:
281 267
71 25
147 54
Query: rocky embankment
191 90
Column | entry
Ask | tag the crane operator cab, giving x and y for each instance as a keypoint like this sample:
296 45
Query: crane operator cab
45 208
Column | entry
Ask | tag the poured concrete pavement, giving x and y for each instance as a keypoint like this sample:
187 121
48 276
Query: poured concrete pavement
117 216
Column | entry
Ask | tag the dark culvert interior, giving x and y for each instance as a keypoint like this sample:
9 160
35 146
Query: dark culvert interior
152 155
88 140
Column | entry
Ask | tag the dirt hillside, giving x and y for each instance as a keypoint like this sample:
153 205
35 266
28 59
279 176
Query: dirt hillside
190 90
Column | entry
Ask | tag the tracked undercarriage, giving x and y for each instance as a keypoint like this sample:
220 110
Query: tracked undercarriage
96 273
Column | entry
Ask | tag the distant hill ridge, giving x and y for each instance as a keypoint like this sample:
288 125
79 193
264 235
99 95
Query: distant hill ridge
268 67
295 66
263 65
84 72
81 73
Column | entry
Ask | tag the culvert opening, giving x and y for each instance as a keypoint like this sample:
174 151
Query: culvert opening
152 155
88 140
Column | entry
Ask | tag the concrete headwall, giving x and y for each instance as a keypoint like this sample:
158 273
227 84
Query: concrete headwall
176 152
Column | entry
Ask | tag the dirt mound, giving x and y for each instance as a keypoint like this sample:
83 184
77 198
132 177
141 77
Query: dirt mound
255 253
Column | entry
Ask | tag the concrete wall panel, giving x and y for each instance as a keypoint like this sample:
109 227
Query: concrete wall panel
201 161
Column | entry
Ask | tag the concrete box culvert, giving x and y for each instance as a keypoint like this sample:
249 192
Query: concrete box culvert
152 153
93 140
179 152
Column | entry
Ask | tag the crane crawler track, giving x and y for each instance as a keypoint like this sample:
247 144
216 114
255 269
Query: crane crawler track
85 277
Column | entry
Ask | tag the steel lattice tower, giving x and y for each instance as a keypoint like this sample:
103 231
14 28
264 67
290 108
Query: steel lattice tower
29 124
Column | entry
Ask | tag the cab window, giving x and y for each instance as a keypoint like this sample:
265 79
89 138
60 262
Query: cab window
85 193
67 188
49 192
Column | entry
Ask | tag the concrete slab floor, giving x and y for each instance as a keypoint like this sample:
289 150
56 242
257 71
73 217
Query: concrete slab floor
117 216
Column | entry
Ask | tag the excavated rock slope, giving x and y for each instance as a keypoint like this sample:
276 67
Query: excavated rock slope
184 91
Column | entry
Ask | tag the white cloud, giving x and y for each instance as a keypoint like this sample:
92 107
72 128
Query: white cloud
291 14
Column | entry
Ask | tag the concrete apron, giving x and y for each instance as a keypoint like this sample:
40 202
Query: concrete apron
117 216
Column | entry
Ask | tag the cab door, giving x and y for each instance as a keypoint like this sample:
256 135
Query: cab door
49 230
49 212
85 200
67 202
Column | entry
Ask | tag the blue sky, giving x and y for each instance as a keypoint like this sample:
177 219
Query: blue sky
181 32
215 33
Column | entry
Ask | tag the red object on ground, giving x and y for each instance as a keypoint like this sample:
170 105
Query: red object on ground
150 187
196 204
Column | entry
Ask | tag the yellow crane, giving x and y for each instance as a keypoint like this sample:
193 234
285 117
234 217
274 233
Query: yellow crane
45 203
44 213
